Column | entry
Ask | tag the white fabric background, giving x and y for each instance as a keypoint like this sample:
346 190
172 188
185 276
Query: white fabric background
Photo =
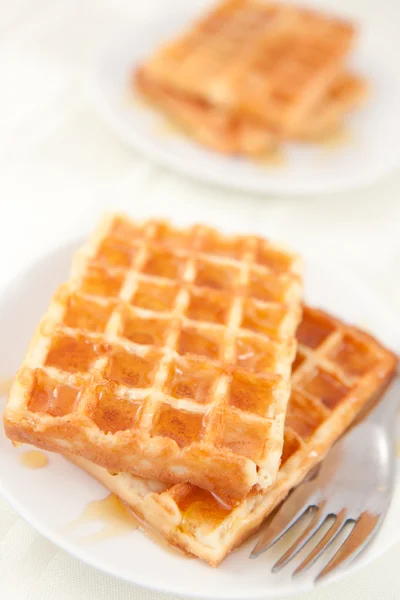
59 167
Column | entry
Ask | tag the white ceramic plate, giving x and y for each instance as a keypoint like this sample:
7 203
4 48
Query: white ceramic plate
373 147
53 497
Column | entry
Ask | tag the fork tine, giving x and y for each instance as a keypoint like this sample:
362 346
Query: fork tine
358 538
328 538
311 529
287 515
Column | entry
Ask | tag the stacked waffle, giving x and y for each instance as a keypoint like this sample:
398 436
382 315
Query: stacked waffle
252 74
166 360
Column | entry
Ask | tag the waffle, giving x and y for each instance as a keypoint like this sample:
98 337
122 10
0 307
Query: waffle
209 125
228 133
258 59
337 372
346 93
167 354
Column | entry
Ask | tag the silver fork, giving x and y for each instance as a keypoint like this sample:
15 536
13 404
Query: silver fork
354 484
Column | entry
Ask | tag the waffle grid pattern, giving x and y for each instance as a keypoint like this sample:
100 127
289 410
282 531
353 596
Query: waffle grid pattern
203 369
331 361
338 370
264 59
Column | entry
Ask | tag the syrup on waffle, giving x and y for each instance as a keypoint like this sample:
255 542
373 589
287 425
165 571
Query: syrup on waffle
337 372
168 355
230 133
266 60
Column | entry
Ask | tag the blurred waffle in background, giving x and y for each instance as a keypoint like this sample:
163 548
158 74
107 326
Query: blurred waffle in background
252 75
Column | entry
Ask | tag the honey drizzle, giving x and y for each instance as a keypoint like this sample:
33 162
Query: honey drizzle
117 518
334 139
33 459
274 158
167 129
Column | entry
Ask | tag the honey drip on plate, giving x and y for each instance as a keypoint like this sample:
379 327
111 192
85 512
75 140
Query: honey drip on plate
5 386
116 519
167 129
275 158
334 139
33 459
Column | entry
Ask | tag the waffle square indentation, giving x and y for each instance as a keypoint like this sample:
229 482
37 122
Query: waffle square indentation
192 379
127 368
71 354
51 396
182 426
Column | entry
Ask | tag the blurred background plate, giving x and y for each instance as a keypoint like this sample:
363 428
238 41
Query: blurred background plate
370 148
52 498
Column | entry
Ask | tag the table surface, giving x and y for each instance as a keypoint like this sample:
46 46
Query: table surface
60 168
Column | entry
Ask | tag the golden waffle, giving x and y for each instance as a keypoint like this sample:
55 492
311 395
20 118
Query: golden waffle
265 60
338 371
346 92
207 124
229 133
167 354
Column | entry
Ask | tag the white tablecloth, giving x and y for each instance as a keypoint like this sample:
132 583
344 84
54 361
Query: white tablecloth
60 167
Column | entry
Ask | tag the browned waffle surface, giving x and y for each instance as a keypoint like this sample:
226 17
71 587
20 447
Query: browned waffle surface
346 93
263 59
168 355
231 133
209 125
338 370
